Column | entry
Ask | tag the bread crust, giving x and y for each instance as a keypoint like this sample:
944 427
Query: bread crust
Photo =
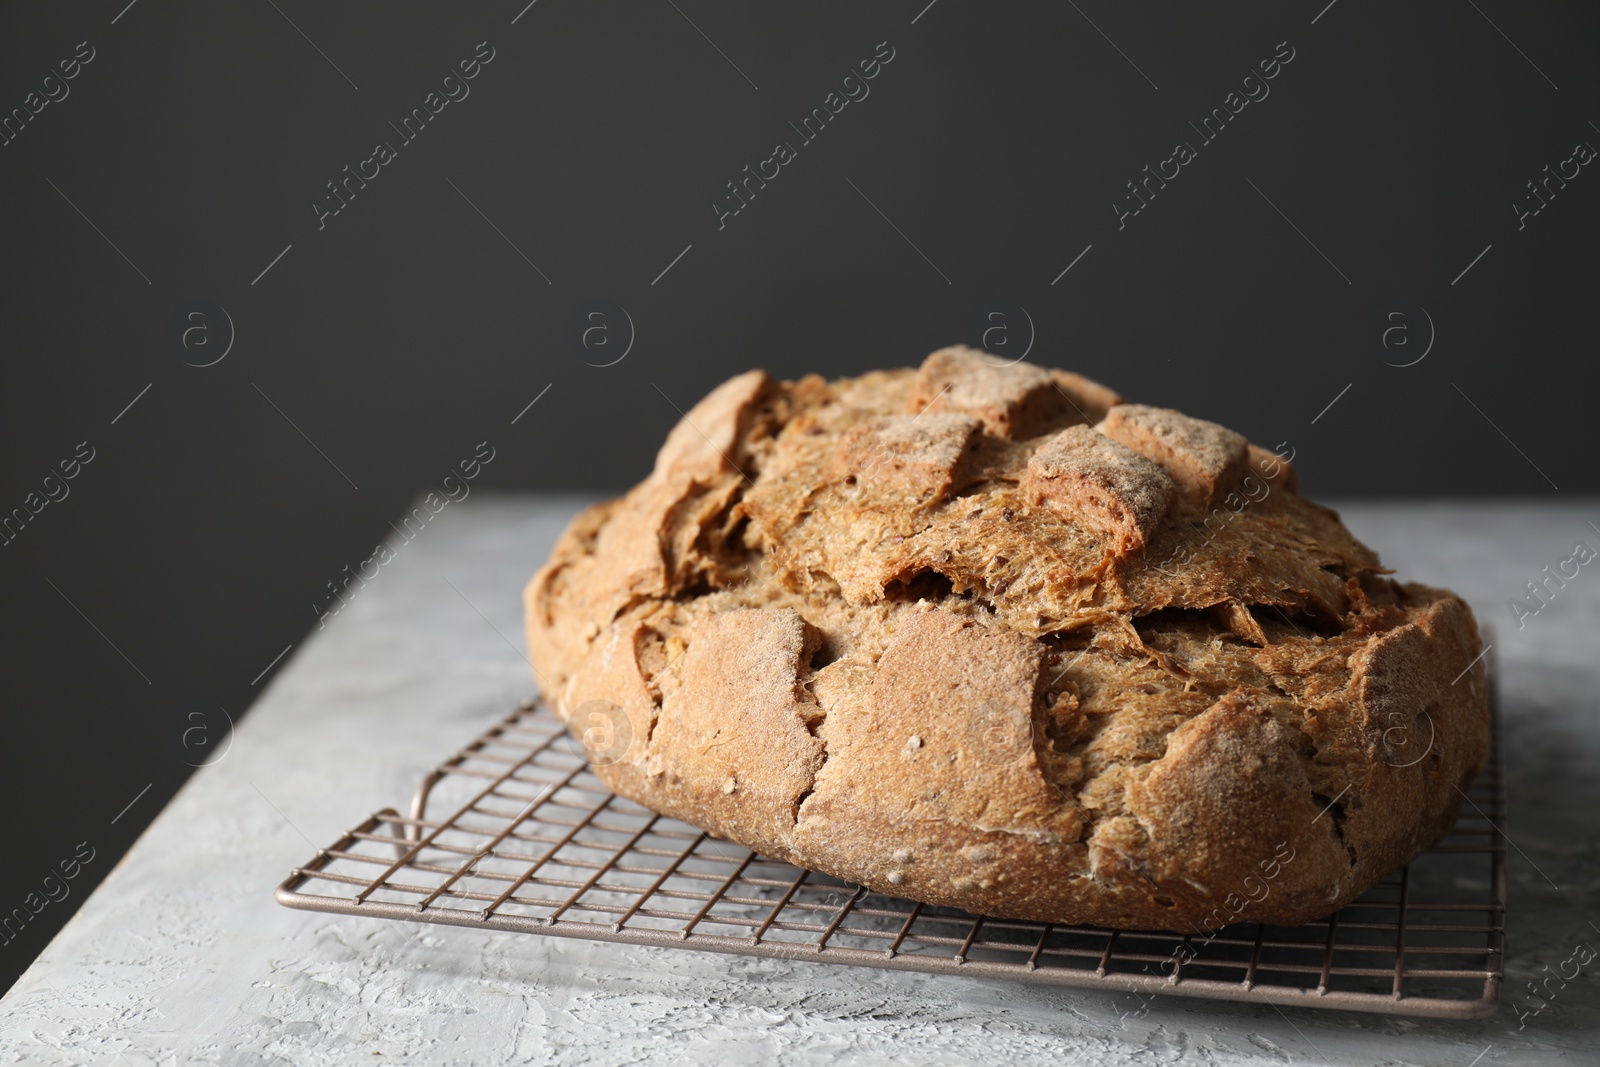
975 635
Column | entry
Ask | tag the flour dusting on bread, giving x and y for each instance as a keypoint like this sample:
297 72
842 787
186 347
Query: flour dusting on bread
972 634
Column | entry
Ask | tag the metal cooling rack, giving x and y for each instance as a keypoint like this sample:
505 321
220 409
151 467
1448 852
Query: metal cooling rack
535 843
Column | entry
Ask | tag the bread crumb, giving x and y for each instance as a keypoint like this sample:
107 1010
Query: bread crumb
896 877
730 785
902 855
913 742
978 853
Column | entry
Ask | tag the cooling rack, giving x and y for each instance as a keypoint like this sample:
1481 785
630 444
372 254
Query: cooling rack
535 843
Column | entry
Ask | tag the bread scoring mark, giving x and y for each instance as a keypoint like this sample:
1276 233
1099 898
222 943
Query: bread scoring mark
703 443
684 531
1333 810
1230 784
1203 458
1107 488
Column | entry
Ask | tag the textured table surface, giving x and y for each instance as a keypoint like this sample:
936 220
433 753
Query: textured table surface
183 956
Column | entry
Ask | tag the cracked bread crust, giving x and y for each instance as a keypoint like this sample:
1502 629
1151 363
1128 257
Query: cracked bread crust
987 637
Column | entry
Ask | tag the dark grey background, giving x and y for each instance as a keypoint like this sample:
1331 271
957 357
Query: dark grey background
378 351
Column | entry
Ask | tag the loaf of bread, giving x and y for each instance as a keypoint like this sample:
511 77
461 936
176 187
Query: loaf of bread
985 636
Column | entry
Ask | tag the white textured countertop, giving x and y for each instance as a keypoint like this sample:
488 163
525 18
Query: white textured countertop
183 956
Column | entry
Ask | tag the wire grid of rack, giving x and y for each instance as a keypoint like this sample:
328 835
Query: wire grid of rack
535 843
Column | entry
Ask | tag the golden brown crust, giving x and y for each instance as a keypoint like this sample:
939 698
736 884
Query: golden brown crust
1107 488
987 637
1202 457
906 460
1012 400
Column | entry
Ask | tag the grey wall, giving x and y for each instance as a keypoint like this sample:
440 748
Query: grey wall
1369 187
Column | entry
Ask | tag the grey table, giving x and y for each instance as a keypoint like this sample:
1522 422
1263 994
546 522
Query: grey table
182 955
